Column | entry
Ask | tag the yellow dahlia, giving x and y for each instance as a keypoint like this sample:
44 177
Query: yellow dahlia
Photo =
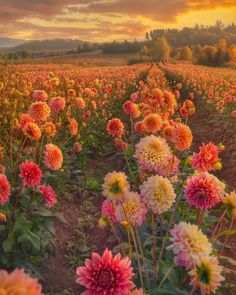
158 194
229 200
115 186
206 275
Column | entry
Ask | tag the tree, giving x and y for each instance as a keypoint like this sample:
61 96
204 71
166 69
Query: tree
160 50
232 52
185 53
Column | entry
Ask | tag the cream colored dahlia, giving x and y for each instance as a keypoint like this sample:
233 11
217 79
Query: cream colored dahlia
132 210
189 244
158 194
153 154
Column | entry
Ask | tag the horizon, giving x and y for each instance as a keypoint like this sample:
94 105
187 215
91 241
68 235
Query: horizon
104 20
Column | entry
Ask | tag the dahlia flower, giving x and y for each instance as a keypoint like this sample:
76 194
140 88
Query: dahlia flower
115 186
158 194
57 104
53 157
73 126
153 154
120 144
106 275
50 129
204 190
109 210
18 282
182 137
24 119
39 111
206 275
229 200
132 210
32 131
205 159
80 103
138 128
40 95
49 195
152 123
5 189
30 173
115 127
189 244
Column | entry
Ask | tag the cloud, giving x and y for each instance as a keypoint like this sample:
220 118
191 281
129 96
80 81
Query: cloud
157 10
96 19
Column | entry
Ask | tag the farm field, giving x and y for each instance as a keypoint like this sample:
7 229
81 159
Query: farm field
118 179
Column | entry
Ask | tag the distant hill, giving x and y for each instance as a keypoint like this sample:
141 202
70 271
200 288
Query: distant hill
50 45
9 42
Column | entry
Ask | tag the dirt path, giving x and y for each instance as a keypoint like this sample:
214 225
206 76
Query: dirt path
59 274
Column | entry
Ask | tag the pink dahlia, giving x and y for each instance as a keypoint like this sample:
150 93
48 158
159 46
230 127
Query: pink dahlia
109 210
5 189
40 95
105 275
57 104
49 195
203 191
205 159
30 173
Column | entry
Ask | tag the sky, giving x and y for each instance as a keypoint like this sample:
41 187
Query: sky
106 20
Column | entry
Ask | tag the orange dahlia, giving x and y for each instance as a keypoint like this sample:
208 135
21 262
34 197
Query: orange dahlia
73 126
39 111
50 129
152 123
115 127
18 282
182 137
32 131
53 157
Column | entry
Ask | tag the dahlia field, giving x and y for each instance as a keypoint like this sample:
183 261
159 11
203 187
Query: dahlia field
104 189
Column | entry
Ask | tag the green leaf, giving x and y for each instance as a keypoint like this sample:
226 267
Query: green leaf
8 244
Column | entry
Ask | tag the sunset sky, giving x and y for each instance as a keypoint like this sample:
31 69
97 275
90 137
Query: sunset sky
106 20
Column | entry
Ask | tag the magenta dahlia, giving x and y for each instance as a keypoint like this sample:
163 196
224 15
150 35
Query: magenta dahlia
203 191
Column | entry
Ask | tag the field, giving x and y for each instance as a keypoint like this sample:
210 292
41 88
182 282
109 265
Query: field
97 156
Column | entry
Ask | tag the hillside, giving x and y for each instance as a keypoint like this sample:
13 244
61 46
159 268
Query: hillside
55 44
9 42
